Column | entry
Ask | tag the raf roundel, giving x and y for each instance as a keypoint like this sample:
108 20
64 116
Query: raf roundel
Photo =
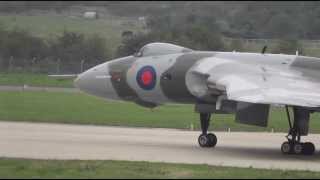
147 78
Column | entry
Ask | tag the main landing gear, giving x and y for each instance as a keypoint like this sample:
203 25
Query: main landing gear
294 144
205 139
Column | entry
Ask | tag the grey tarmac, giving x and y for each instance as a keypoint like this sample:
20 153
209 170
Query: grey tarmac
89 142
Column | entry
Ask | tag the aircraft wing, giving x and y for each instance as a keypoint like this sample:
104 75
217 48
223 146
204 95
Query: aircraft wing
260 84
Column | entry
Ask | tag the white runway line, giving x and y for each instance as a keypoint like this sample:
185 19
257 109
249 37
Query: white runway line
59 141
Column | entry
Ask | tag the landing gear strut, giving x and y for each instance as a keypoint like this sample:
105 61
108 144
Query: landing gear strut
205 139
294 144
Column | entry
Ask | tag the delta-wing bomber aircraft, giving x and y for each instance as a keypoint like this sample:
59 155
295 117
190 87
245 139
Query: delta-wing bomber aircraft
245 84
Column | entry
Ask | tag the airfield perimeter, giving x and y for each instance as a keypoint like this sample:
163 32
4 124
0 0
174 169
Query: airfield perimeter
85 142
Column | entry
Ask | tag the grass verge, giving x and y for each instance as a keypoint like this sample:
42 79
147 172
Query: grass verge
79 108
27 168
19 79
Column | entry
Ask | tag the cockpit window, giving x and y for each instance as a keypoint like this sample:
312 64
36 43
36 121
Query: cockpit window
144 50
154 49
138 54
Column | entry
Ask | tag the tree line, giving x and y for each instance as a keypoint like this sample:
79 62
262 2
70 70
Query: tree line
72 52
255 19
198 33
21 50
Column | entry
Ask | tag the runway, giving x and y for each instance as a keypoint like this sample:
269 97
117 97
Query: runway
86 142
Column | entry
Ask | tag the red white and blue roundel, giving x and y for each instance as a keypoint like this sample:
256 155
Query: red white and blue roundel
147 78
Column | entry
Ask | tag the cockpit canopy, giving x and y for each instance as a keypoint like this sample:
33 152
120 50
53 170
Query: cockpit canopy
153 49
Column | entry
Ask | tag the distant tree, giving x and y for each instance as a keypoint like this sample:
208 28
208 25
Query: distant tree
72 48
282 26
96 50
21 44
69 49
191 18
20 48
204 39
132 45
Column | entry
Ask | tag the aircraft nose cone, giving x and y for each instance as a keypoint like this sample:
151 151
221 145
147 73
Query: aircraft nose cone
76 82
96 81
81 82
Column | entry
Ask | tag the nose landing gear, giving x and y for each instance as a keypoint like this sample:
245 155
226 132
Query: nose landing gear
205 139
294 144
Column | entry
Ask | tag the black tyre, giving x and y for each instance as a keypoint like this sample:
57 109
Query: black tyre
286 148
308 148
212 140
203 140
297 148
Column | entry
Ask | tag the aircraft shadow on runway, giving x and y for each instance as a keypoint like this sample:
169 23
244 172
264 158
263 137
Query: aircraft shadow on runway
262 153
238 151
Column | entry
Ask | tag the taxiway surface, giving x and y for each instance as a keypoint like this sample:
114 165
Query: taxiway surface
86 142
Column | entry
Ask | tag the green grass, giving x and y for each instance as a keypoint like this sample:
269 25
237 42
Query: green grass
78 108
27 168
49 26
33 80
